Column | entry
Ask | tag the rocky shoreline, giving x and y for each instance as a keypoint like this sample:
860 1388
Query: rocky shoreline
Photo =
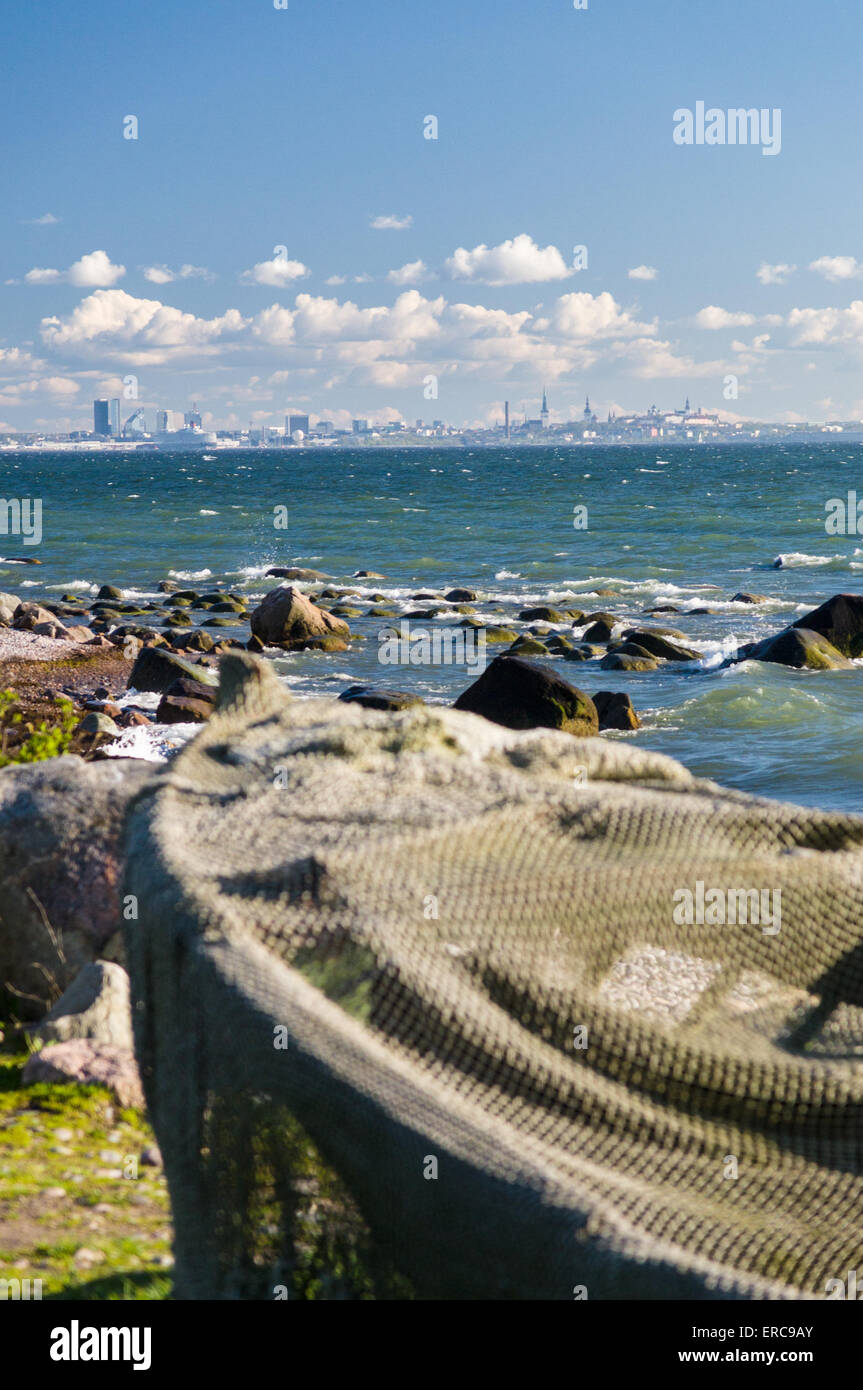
123 663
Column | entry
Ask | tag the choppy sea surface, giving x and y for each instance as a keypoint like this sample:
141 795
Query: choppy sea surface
687 527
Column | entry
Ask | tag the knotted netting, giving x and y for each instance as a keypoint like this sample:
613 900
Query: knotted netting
427 1002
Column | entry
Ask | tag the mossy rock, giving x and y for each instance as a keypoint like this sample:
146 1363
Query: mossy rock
528 646
621 661
542 613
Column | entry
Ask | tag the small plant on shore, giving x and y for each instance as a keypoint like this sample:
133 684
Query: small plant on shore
42 740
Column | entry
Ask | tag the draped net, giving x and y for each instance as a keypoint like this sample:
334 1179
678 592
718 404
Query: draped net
409 993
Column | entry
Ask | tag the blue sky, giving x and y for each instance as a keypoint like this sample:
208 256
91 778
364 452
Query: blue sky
261 128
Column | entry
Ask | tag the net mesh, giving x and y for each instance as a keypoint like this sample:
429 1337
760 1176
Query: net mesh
416 998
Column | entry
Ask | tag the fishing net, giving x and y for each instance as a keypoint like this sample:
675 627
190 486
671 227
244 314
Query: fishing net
423 978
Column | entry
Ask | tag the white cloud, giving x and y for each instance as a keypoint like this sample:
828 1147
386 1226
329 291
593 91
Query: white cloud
39 275
56 388
94 270
516 262
316 319
651 359
837 268
774 274
391 223
642 272
278 272
409 274
163 275
323 342
587 316
713 317
46 220
14 360
336 280
159 274
91 271
827 326
139 330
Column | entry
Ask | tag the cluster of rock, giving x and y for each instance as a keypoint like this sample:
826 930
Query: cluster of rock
176 658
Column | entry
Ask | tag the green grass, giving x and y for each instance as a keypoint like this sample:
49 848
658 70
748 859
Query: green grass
43 740
125 1221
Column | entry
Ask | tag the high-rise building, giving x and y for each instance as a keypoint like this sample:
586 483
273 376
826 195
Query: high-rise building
163 421
360 426
101 421
506 419
296 422
543 414
115 418
192 417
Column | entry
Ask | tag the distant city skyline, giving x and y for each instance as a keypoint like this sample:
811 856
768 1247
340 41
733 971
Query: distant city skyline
439 212
167 430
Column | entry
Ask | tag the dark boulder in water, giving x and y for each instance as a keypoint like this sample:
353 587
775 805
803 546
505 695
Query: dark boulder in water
840 620
658 645
372 698
615 710
629 648
522 695
798 647
460 596
541 614
600 631
749 598
296 572
622 661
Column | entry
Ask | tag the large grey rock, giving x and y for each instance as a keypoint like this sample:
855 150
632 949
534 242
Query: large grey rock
96 1006
286 618
60 904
